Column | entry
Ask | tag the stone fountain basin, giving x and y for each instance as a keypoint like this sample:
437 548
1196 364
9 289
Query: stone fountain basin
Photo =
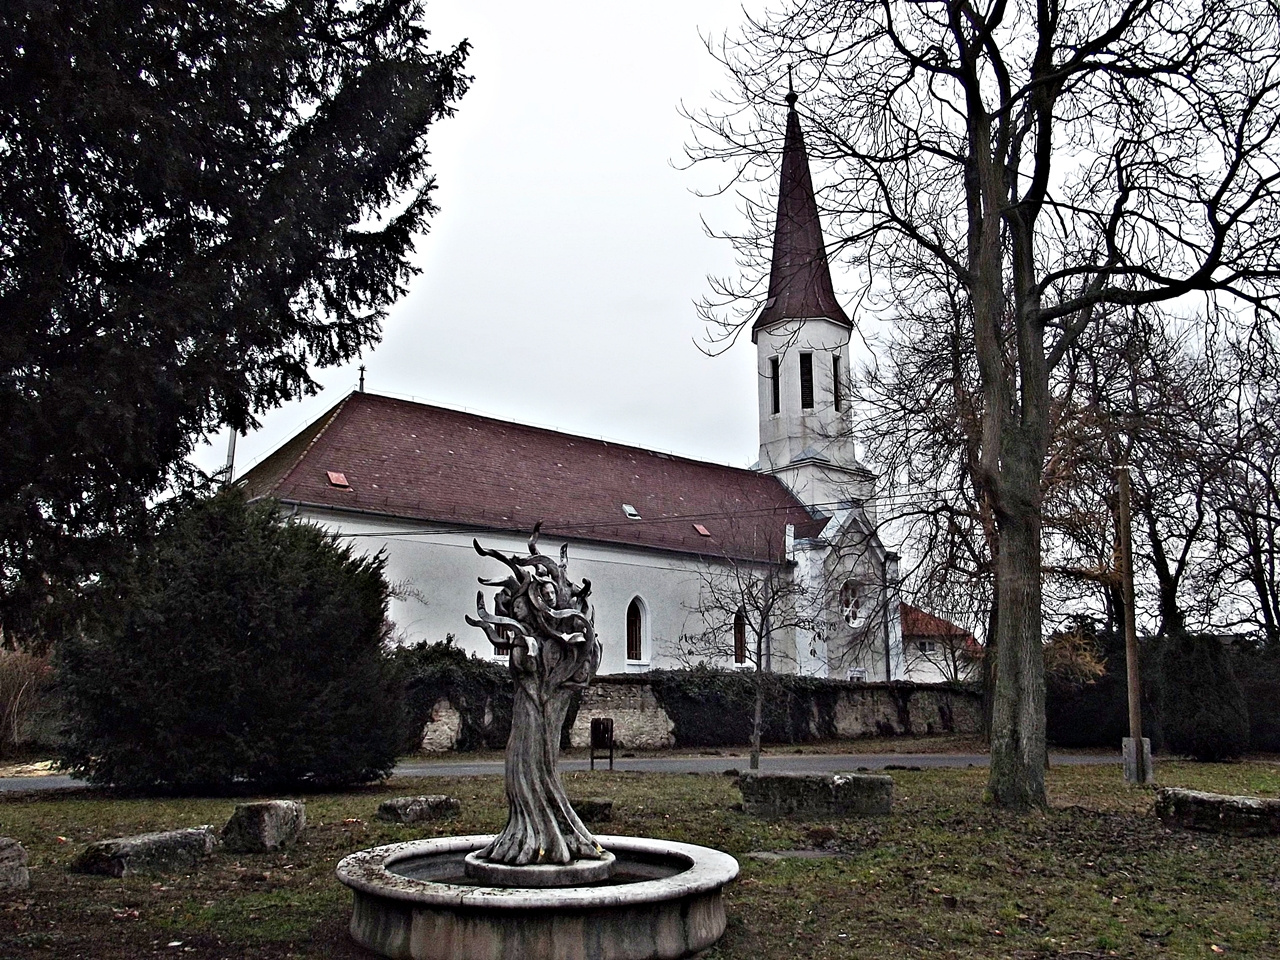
412 900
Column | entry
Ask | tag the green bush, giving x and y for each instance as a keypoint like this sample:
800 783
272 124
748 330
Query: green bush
1259 674
1203 707
239 653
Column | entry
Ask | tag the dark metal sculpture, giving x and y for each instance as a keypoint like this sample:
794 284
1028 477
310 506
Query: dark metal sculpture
545 624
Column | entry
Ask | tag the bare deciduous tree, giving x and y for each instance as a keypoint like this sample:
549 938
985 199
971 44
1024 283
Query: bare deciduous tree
1057 160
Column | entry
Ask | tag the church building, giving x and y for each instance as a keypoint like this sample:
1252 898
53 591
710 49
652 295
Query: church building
688 561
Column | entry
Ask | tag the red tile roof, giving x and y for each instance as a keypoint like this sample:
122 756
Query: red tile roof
418 462
917 623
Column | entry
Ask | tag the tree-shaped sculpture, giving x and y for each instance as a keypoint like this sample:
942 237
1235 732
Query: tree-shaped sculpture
545 624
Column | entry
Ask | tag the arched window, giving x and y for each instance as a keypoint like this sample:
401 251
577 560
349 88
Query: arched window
739 637
635 631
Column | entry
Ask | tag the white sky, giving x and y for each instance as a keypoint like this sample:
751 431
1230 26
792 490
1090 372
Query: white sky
559 279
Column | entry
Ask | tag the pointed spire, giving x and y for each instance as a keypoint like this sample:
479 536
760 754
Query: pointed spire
800 279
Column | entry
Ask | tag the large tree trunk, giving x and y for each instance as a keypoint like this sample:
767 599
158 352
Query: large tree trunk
541 825
1018 751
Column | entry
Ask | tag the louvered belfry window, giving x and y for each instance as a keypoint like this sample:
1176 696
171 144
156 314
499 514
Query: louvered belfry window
635 646
775 384
836 395
739 637
806 381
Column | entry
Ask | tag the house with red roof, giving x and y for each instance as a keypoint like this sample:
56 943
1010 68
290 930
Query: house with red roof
653 532
936 650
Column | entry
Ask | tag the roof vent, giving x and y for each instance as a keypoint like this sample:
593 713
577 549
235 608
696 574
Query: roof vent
631 512
338 479
702 531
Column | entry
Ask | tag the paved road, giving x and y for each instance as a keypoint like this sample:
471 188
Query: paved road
778 763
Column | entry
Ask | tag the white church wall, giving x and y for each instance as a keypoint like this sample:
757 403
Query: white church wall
440 567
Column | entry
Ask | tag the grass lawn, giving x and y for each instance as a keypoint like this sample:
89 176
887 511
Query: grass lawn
943 876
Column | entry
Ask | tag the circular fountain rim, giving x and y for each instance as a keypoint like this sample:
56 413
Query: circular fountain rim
367 872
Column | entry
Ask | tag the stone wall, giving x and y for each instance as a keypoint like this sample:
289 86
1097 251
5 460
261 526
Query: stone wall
889 709
639 722
861 710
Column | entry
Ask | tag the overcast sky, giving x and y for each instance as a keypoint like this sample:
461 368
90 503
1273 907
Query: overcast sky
559 279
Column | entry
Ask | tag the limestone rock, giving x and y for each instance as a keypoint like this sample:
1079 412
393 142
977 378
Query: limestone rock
593 809
264 825
164 852
418 809
806 795
441 733
13 865
1218 813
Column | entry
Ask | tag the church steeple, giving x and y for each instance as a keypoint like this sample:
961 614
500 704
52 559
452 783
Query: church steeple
802 350
800 279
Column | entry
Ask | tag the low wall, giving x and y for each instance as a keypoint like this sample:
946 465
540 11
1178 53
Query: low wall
692 709
834 709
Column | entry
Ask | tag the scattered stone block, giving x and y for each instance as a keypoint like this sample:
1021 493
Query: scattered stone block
13 865
1218 813
264 825
802 796
593 809
165 852
418 809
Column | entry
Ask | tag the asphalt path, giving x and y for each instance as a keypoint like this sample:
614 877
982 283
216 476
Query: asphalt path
774 763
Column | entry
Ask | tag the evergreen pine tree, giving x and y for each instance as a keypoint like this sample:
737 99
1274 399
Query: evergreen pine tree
199 202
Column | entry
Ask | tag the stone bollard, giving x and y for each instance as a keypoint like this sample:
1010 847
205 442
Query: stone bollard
264 825
418 809
1131 761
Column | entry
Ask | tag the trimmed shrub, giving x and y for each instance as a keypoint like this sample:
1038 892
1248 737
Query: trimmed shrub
1259 676
1203 707
1084 712
240 653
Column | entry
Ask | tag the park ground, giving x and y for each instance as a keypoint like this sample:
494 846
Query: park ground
943 876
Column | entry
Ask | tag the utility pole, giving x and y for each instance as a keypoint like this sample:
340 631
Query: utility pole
1137 751
229 470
